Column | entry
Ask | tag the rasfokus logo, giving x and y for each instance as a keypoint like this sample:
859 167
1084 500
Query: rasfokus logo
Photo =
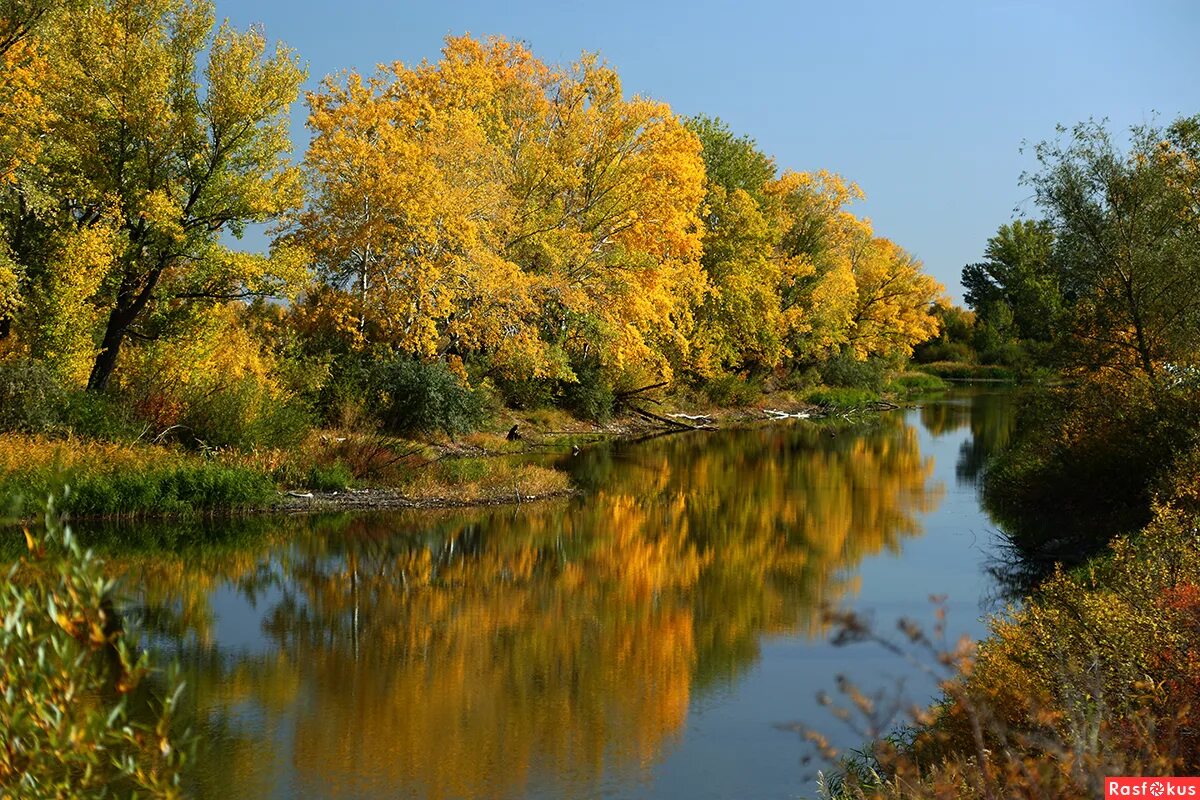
1151 787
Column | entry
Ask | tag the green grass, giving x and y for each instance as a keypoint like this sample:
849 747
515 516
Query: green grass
171 489
841 397
912 383
954 370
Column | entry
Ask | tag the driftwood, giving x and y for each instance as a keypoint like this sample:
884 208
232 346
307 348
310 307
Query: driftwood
671 423
774 414
696 418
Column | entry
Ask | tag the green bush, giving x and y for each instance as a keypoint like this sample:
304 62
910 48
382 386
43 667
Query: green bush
332 478
732 391
841 397
76 722
31 397
244 416
592 397
846 371
917 383
422 397
527 394
98 416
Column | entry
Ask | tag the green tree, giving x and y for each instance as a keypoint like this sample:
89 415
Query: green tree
149 160
1018 274
1127 226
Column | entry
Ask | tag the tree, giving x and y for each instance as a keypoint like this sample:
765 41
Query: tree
814 232
894 304
739 321
150 163
1127 227
1019 274
490 204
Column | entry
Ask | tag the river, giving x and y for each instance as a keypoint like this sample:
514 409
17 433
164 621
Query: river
651 638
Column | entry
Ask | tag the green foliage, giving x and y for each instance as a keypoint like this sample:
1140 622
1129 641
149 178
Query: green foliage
592 396
730 161
30 397
78 720
956 370
917 383
732 391
845 371
240 414
1017 289
842 397
1086 462
329 478
183 489
98 416
425 396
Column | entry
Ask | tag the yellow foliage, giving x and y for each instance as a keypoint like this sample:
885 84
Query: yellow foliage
488 202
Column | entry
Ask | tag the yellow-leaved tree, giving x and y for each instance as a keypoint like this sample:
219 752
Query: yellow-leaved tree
163 132
894 302
489 204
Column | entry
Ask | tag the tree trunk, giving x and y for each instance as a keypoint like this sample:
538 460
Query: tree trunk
110 348
122 316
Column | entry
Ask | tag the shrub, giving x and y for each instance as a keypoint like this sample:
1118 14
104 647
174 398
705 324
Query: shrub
846 371
422 397
592 396
31 398
75 722
732 391
842 397
916 383
99 416
331 478
1087 460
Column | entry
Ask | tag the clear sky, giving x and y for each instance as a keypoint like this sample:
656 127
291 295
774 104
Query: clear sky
924 105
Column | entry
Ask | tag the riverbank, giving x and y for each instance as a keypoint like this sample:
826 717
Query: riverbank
1095 673
507 462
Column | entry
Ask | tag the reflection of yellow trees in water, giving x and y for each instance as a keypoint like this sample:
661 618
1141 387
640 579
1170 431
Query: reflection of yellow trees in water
447 655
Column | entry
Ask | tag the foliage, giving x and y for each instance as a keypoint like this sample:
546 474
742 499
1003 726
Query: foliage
422 397
490 203
335 477
1127 233
1095 675
144 167
123 479
847 371
1087 460
30 397
1017 289
215 385
79 714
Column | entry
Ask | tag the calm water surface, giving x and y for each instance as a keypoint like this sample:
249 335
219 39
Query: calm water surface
644 640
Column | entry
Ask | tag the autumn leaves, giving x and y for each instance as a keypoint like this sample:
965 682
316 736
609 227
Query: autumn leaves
518 220
491 205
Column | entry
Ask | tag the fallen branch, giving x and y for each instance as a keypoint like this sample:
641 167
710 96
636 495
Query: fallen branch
701 418
774 414
672 423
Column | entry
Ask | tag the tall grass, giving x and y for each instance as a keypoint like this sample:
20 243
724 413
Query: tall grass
110 479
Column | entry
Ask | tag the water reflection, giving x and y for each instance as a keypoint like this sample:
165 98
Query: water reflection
508 652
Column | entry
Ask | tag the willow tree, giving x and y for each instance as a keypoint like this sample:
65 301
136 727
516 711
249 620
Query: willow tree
164 134
1127 227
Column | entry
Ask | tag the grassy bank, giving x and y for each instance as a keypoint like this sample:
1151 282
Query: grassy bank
1096 672
1096 675
114 471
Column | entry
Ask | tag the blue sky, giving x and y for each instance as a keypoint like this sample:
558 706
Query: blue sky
924 105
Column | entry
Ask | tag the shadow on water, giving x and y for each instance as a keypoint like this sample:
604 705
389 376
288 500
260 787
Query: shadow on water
546 650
